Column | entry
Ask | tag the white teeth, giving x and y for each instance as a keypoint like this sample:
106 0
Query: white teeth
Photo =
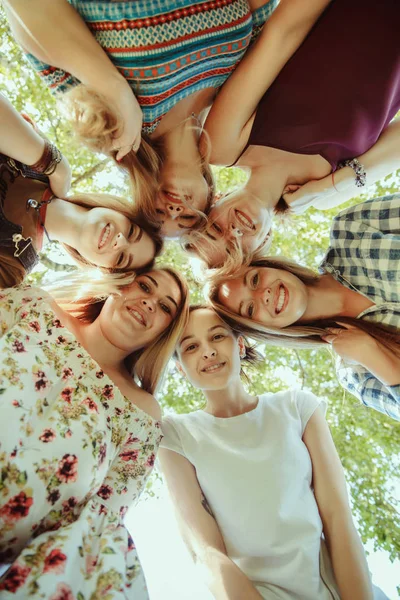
244 220
213 368
281 300
104 237
137 315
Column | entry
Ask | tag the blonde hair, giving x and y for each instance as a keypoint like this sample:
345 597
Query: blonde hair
121 205
146 364
95 124
296 335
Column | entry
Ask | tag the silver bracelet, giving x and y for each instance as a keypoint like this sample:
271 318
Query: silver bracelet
359 170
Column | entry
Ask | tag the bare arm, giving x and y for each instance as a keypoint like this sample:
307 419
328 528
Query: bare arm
20 141
344 545
201 533
229 121
54 32
379 161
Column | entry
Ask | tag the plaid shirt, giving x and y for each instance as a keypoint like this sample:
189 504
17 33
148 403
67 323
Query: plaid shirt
364 255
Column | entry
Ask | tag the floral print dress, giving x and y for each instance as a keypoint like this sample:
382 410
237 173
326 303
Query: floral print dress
74 455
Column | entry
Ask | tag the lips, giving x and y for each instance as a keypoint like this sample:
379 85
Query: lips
138 315
244 220
281 299
104 236
172 196
214 367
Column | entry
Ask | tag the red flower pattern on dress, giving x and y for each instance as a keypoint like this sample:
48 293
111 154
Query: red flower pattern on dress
48 435
66 394
67 372
18 346
14 578
53 496
91 404
105 492
102 453
15 403
55 562
63 592
67 471
68 433
35 326
150 460
41 381
69 505
108 391
129 455
16 508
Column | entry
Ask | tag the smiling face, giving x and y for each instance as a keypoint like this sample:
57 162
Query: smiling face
183 191
237 219
109 239
142 313
272 297
208 351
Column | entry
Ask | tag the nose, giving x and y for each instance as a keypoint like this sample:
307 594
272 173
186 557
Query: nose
209 353
234 231
148 304
174 210
120 241
267 295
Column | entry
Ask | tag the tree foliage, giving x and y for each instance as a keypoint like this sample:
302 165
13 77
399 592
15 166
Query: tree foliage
367 441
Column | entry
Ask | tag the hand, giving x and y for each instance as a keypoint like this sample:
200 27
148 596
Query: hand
313 193
60 180
352 344
128 108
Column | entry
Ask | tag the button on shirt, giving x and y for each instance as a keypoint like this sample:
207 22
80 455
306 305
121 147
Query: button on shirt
364 255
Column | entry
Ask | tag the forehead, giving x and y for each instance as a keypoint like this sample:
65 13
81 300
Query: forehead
167 284
225 202
201 320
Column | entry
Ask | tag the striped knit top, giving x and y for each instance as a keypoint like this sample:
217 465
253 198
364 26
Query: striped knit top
166 49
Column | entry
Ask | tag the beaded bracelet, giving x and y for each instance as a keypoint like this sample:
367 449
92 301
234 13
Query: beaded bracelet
47 163
359 170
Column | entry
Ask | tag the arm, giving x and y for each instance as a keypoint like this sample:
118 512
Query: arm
53 31
20 141
379 161
229 122
201 533
344 545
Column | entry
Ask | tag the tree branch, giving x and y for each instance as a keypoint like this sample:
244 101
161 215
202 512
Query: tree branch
302 371
95 169
55 266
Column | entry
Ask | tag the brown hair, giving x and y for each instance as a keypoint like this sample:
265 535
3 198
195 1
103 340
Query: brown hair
296 335
251 358
11 270
95 124
123 206
147 364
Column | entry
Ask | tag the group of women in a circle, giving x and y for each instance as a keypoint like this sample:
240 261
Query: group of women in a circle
306 105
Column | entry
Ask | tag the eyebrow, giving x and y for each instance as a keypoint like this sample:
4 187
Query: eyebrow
187 337
156 284
185 226
139 235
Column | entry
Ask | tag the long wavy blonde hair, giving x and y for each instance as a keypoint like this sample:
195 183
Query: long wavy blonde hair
85 301
121 205
95 124
296 335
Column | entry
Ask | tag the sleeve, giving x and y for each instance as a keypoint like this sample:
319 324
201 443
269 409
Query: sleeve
172 439
307 403
93 556
372 392
261 15
57 80
12 301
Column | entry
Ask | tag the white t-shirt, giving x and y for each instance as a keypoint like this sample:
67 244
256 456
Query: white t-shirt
255 472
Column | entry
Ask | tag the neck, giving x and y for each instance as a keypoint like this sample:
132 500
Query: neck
64 221
181 143
230 401
328 299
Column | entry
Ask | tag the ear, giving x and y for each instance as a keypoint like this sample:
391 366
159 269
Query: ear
180 369
290 188
242 346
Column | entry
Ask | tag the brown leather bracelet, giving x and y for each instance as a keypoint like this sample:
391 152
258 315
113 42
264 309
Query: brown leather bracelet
49 160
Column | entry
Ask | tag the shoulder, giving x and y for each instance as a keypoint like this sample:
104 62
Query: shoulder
292 403
143 400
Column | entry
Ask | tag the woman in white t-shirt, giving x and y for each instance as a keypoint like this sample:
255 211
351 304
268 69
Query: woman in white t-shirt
257 483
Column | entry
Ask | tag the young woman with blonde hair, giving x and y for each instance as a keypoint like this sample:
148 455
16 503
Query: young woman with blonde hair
83 432
174 57
256 481
95 229
353 304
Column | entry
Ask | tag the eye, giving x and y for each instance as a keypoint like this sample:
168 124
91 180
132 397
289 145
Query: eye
187 217
146 288
218 336
120 260
250 310
191 347
159 211
216 227
131 230
254 280
165 308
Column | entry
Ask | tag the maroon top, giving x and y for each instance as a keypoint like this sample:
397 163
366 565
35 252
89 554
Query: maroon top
340 89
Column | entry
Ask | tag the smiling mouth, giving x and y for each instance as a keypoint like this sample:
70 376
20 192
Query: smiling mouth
214 368
244 220
105 234
282 299
173 196
137 315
